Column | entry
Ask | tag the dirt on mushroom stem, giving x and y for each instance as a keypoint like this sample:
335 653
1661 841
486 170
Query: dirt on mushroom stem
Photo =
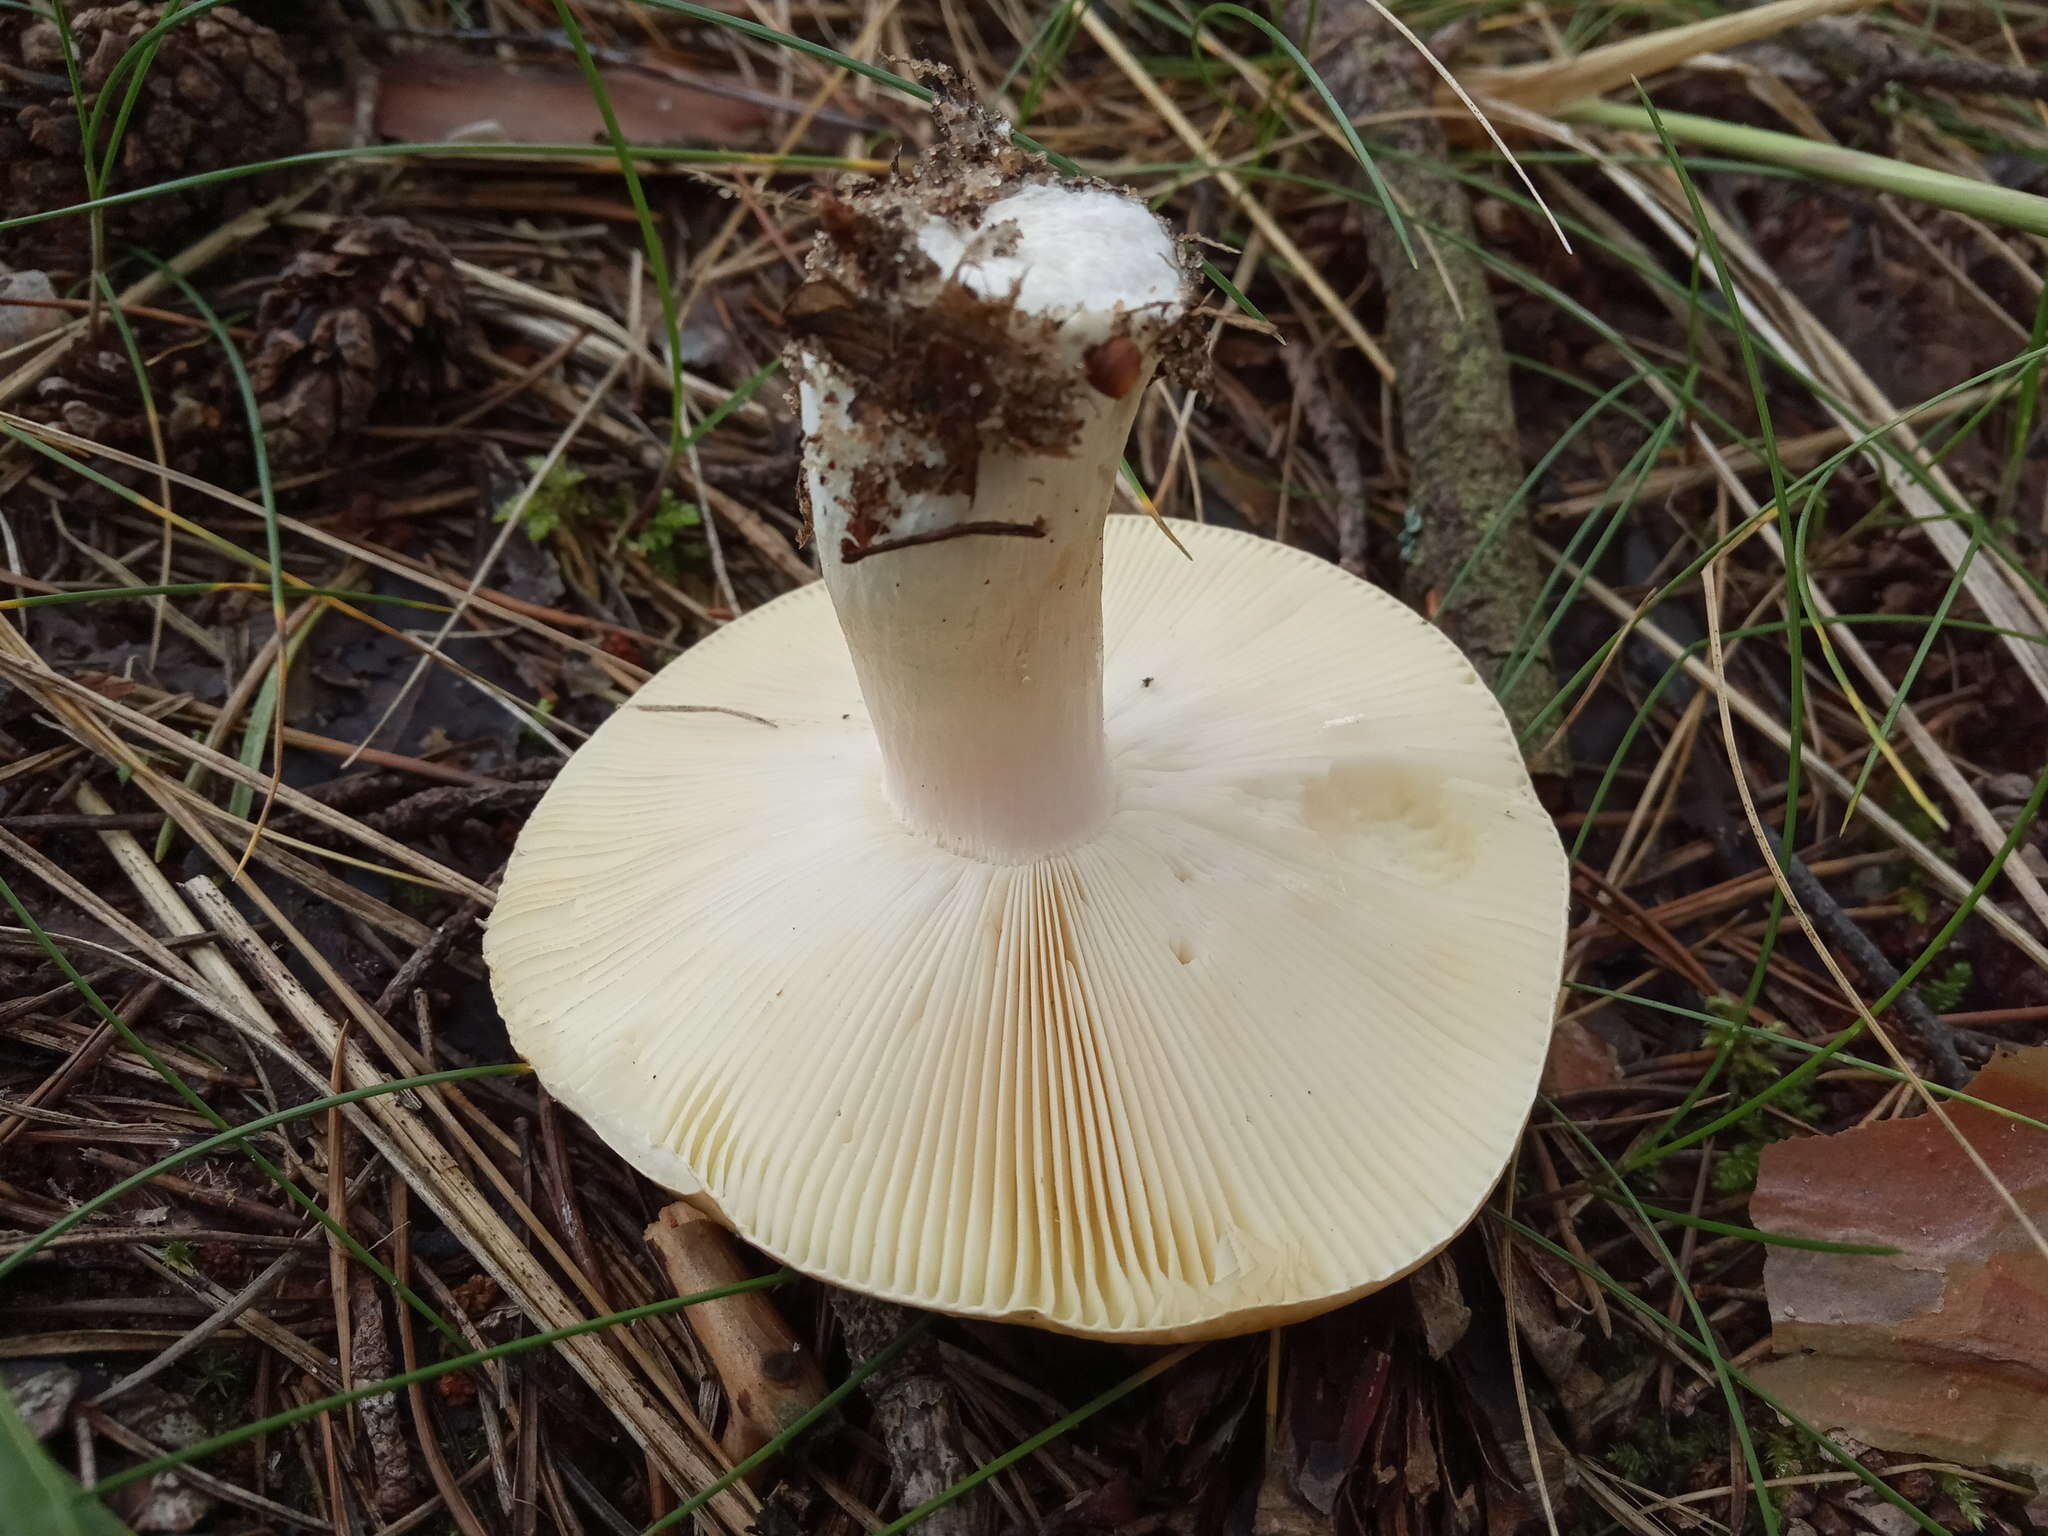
930 360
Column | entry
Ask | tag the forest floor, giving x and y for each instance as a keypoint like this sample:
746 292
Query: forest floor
478 433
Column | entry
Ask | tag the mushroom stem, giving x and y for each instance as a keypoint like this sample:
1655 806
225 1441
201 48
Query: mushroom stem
971 347
980 654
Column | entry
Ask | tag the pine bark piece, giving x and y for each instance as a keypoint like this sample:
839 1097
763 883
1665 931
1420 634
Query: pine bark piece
373 310
1457 412
370 1360
1941 1348
221 92
916 1416
770 1376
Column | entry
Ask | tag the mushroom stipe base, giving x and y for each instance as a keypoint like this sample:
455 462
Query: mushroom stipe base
1258 1045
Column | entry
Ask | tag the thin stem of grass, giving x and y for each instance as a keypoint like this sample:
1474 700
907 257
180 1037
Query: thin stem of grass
643 213
1828 162
1795 547
273 539
1751 1234
1832 1049
2027 405
1738 1422
665 154
207 589
1659 1323
139 57
1338 115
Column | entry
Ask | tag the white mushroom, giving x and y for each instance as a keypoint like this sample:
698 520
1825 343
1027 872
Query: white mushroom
1030 922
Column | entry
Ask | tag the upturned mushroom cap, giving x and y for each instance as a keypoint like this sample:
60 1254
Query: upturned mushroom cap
1260 1044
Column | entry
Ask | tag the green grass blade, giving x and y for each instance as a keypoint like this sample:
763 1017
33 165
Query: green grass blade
667 154
2024 416
1045 1436
1833 1049
650 237
1738 1422
144 49
39 1497
257 730
273 542
206 588
139 58
742 392
1805 1072
1659 1323
1337 114
1796 584
1751 1234
1043 54
1985 200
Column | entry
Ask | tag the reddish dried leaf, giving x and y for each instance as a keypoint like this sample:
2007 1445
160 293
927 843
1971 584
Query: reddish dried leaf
1578 1059
427 97
1941 1348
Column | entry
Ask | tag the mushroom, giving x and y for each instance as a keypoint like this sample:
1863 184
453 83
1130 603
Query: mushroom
1029 921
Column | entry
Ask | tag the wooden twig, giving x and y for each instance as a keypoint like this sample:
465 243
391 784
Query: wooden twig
770 1377
1869 61
1339 445
1879 974
424 958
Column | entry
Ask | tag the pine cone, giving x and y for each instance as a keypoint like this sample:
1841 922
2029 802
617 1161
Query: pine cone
94 394
220 93
373 310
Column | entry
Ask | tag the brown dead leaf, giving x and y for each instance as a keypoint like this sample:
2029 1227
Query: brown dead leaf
1941 1348
1578 1059
428 97
1439 1305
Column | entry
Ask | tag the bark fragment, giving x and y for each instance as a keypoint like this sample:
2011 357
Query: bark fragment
1475 561
1942 1347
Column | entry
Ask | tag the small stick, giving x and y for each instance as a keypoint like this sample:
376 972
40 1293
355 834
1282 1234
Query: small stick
770 1376
426 956
1475 553
1841 930
851 553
